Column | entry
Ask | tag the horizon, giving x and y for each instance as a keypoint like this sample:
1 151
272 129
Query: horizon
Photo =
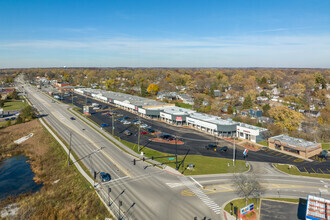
171 34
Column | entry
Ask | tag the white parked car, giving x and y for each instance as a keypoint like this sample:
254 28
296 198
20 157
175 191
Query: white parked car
126 122
144 126
96 108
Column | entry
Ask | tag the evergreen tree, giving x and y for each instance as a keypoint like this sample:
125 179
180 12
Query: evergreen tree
247 102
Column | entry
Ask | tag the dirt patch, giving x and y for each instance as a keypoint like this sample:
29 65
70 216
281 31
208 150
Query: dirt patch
69 198
165 141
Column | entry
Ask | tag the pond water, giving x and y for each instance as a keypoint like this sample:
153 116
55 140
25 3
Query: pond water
16 177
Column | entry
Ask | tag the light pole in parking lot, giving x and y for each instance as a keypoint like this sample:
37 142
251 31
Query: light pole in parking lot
139 137
234 152
113 125
176 152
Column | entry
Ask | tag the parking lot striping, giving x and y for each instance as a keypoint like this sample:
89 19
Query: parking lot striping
284 155
298 160
313 169
278 154
290 157
328 170
321 170
306 169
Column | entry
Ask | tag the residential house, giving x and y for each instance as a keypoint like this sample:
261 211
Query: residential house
186 98
310 113
255 113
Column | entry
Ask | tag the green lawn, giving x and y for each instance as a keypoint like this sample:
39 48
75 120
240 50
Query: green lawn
326 146
14 105
240 203
203 165
183 105
294 171
265 143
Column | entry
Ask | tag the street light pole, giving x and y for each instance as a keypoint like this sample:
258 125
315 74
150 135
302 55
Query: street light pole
69 150
139 138
120 204
109 191
113 125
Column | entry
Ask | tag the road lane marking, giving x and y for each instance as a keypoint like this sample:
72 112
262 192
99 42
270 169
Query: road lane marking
196 182
92 142
201 195
172 185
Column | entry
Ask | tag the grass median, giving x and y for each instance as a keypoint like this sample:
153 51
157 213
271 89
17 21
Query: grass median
293 170
202 164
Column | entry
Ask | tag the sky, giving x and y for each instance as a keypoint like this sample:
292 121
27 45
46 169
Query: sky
165 33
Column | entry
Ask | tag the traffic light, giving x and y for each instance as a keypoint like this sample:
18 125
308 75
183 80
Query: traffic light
134 162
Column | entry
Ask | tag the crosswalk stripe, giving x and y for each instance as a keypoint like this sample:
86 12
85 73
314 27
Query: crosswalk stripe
201 195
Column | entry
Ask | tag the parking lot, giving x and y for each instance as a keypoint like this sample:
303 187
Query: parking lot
193 140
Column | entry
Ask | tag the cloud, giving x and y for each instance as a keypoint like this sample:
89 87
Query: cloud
281 51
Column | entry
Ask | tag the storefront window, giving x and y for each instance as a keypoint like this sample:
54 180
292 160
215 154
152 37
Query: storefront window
291 150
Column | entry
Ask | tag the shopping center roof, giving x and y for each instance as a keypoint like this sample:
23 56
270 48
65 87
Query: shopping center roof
294 141
211 119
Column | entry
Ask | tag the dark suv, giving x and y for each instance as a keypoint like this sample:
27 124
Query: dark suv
224 149
211 147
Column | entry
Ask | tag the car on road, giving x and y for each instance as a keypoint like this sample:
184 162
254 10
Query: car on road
105 177
143 132
211 147
72 118
89 102
126 118
128 132
104 125
224 149
125 122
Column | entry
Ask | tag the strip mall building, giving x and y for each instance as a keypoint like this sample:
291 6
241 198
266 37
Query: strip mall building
175 115
297 146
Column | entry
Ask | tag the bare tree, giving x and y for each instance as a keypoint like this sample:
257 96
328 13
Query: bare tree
247 186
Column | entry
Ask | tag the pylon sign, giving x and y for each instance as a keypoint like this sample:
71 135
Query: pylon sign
245 152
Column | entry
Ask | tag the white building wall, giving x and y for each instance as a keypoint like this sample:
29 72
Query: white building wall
201 123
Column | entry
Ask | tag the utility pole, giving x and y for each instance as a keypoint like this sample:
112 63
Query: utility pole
69 150
176 152
234 150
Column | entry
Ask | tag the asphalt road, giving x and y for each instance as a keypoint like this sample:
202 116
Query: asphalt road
193 140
